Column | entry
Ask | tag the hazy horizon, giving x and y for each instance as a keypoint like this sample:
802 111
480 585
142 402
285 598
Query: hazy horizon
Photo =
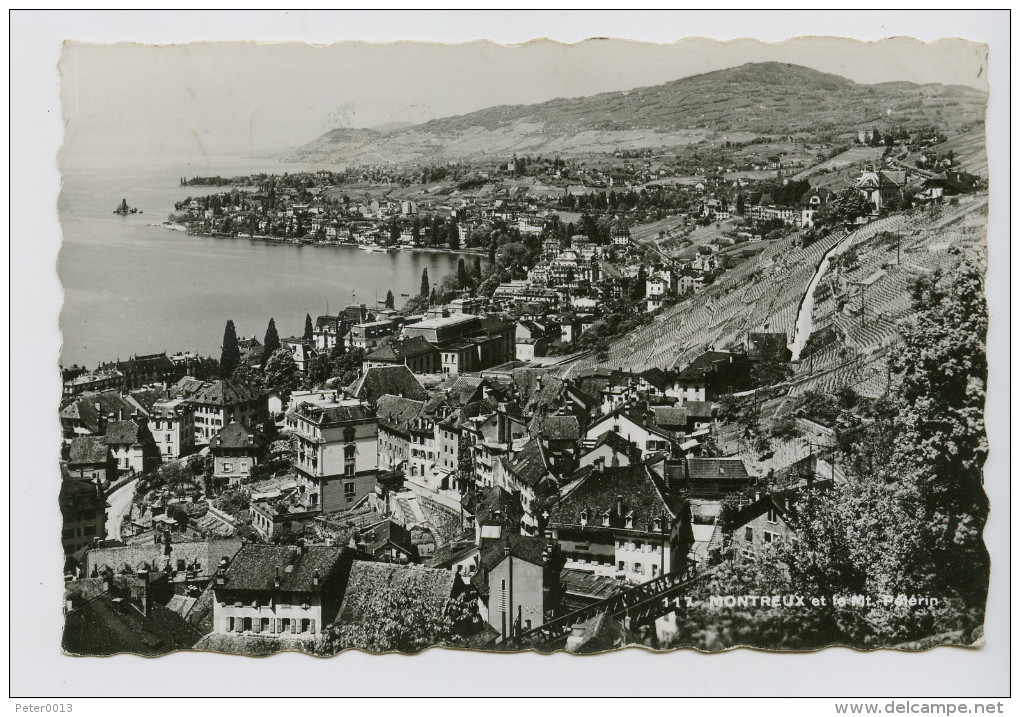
257 99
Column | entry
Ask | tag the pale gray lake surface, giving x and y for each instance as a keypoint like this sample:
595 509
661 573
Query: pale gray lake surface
131 287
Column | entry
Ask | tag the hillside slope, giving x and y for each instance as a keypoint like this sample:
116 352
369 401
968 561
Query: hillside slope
746 101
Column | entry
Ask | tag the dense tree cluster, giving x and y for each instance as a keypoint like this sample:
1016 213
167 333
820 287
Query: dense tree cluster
908 520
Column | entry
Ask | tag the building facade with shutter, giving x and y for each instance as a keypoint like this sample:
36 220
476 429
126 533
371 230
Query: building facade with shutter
283 592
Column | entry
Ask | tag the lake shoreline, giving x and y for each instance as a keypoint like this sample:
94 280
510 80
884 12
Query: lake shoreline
330 245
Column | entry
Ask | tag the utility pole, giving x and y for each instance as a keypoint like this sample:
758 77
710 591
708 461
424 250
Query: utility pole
862 306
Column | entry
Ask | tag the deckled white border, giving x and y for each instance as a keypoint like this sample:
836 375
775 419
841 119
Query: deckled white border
37 666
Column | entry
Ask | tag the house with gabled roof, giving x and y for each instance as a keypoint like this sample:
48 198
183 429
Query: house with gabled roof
381 380
527 475
235 451
559 435
281 592
396 417
623 522
415 352
648 438
714 477
110 615
90 458
131 445
764 524
517 581
610 450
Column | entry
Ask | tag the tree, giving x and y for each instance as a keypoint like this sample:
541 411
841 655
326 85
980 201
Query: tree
638 289
249 376
318 371
389 299
346 365
230 352
402 618
425 285
462 275
846 208
477 271
940 445
740 203
281 371
909 518
453 235
271 342
309 330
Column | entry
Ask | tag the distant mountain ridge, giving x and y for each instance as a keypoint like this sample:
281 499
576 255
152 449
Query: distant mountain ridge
765 98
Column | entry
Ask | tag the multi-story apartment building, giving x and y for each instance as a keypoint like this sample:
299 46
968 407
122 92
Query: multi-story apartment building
172 424
371 334
337 458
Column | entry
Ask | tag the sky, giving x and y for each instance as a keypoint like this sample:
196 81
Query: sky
261 98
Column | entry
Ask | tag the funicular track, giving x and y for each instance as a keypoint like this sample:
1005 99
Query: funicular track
639 605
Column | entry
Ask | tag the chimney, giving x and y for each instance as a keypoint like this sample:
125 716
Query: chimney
619 505
786 503
315 579
276 580
757 496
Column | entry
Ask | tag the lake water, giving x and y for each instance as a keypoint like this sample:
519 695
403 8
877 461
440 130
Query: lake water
131 287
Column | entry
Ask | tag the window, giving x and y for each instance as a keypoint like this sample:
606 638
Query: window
772 516
639 569
621 566
655 570
350 489
748 535
770 538
228 467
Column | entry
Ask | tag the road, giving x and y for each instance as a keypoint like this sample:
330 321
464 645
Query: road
120 505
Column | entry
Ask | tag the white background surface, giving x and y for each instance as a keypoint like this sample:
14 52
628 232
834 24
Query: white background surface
37 666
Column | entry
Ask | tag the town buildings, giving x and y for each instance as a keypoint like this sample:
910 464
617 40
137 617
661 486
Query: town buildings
219 403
